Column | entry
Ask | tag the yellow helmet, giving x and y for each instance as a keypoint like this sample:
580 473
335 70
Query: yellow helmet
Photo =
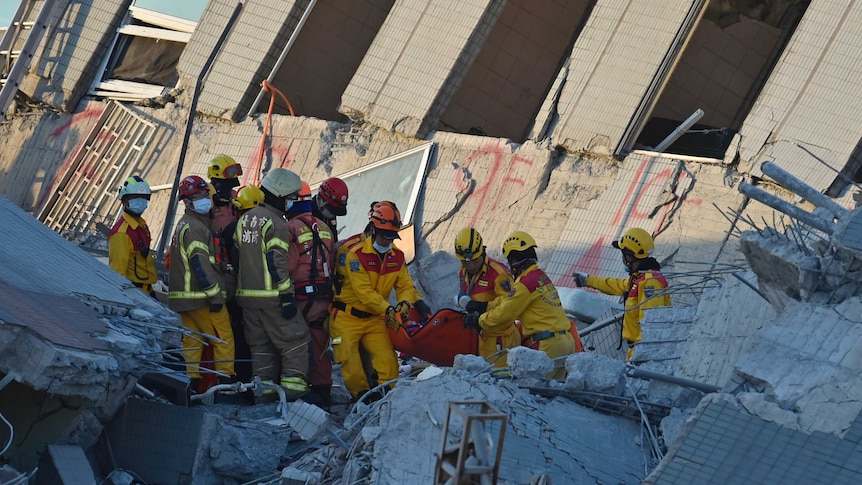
636 240
468 245
223 167
248 197
517 241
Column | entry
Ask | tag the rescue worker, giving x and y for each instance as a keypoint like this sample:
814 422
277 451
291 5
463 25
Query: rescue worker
330 202
310 262
535 302
224 173
644 288
361 312
246 198
129 240
341 250
196 284
274 329
486 282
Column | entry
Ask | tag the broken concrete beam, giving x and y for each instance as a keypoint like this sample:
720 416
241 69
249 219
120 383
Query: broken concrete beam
526 363
65 465
779 265
600 373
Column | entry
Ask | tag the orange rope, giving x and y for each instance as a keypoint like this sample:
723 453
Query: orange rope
272 90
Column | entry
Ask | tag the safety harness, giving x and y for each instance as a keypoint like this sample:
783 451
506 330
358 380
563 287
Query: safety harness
317 287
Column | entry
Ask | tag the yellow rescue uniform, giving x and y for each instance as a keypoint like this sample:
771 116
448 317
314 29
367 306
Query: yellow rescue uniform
129 251
642 291
536 303
490 284
360 312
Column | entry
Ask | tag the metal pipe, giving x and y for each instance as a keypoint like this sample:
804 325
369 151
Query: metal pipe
802 189
634 371
172 202
679 130
277 66
785 207
600 325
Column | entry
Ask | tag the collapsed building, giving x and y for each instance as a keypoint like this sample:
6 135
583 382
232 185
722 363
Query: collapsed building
548 117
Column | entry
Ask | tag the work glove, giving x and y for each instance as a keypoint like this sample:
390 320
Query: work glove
216 307
288 305
393 318
580 278
424 311
403 309
471 320
476 306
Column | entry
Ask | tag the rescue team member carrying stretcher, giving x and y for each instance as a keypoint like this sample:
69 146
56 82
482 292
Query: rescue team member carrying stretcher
535 302
485 281
372 269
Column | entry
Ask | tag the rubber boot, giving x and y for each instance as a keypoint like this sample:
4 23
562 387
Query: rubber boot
319 396
325 393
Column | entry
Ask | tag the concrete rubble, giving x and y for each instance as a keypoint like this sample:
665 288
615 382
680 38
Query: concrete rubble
752 376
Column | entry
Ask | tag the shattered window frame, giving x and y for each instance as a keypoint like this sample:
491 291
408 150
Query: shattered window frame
158 26
372 183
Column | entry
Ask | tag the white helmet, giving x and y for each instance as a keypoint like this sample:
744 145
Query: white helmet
281 182
135 185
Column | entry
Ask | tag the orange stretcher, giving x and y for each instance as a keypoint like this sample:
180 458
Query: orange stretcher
437 341
443 337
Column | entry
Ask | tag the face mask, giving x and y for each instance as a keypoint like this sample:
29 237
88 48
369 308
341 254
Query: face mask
138 206
381 249
202 206
288 204
325 212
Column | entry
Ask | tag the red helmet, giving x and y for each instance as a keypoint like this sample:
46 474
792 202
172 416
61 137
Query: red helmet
333 191
192 185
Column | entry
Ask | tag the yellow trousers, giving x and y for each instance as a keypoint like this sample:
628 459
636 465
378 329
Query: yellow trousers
347 333
492 342
216 324
558 346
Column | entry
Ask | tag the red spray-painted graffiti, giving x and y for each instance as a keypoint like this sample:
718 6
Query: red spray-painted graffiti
494 154
282 154
75 120
631 212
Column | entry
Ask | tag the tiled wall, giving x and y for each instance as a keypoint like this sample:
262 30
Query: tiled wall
417 61
71 51
325 56
509 79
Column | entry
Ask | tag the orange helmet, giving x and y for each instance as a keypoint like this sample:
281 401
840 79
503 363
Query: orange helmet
385 215
305 191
